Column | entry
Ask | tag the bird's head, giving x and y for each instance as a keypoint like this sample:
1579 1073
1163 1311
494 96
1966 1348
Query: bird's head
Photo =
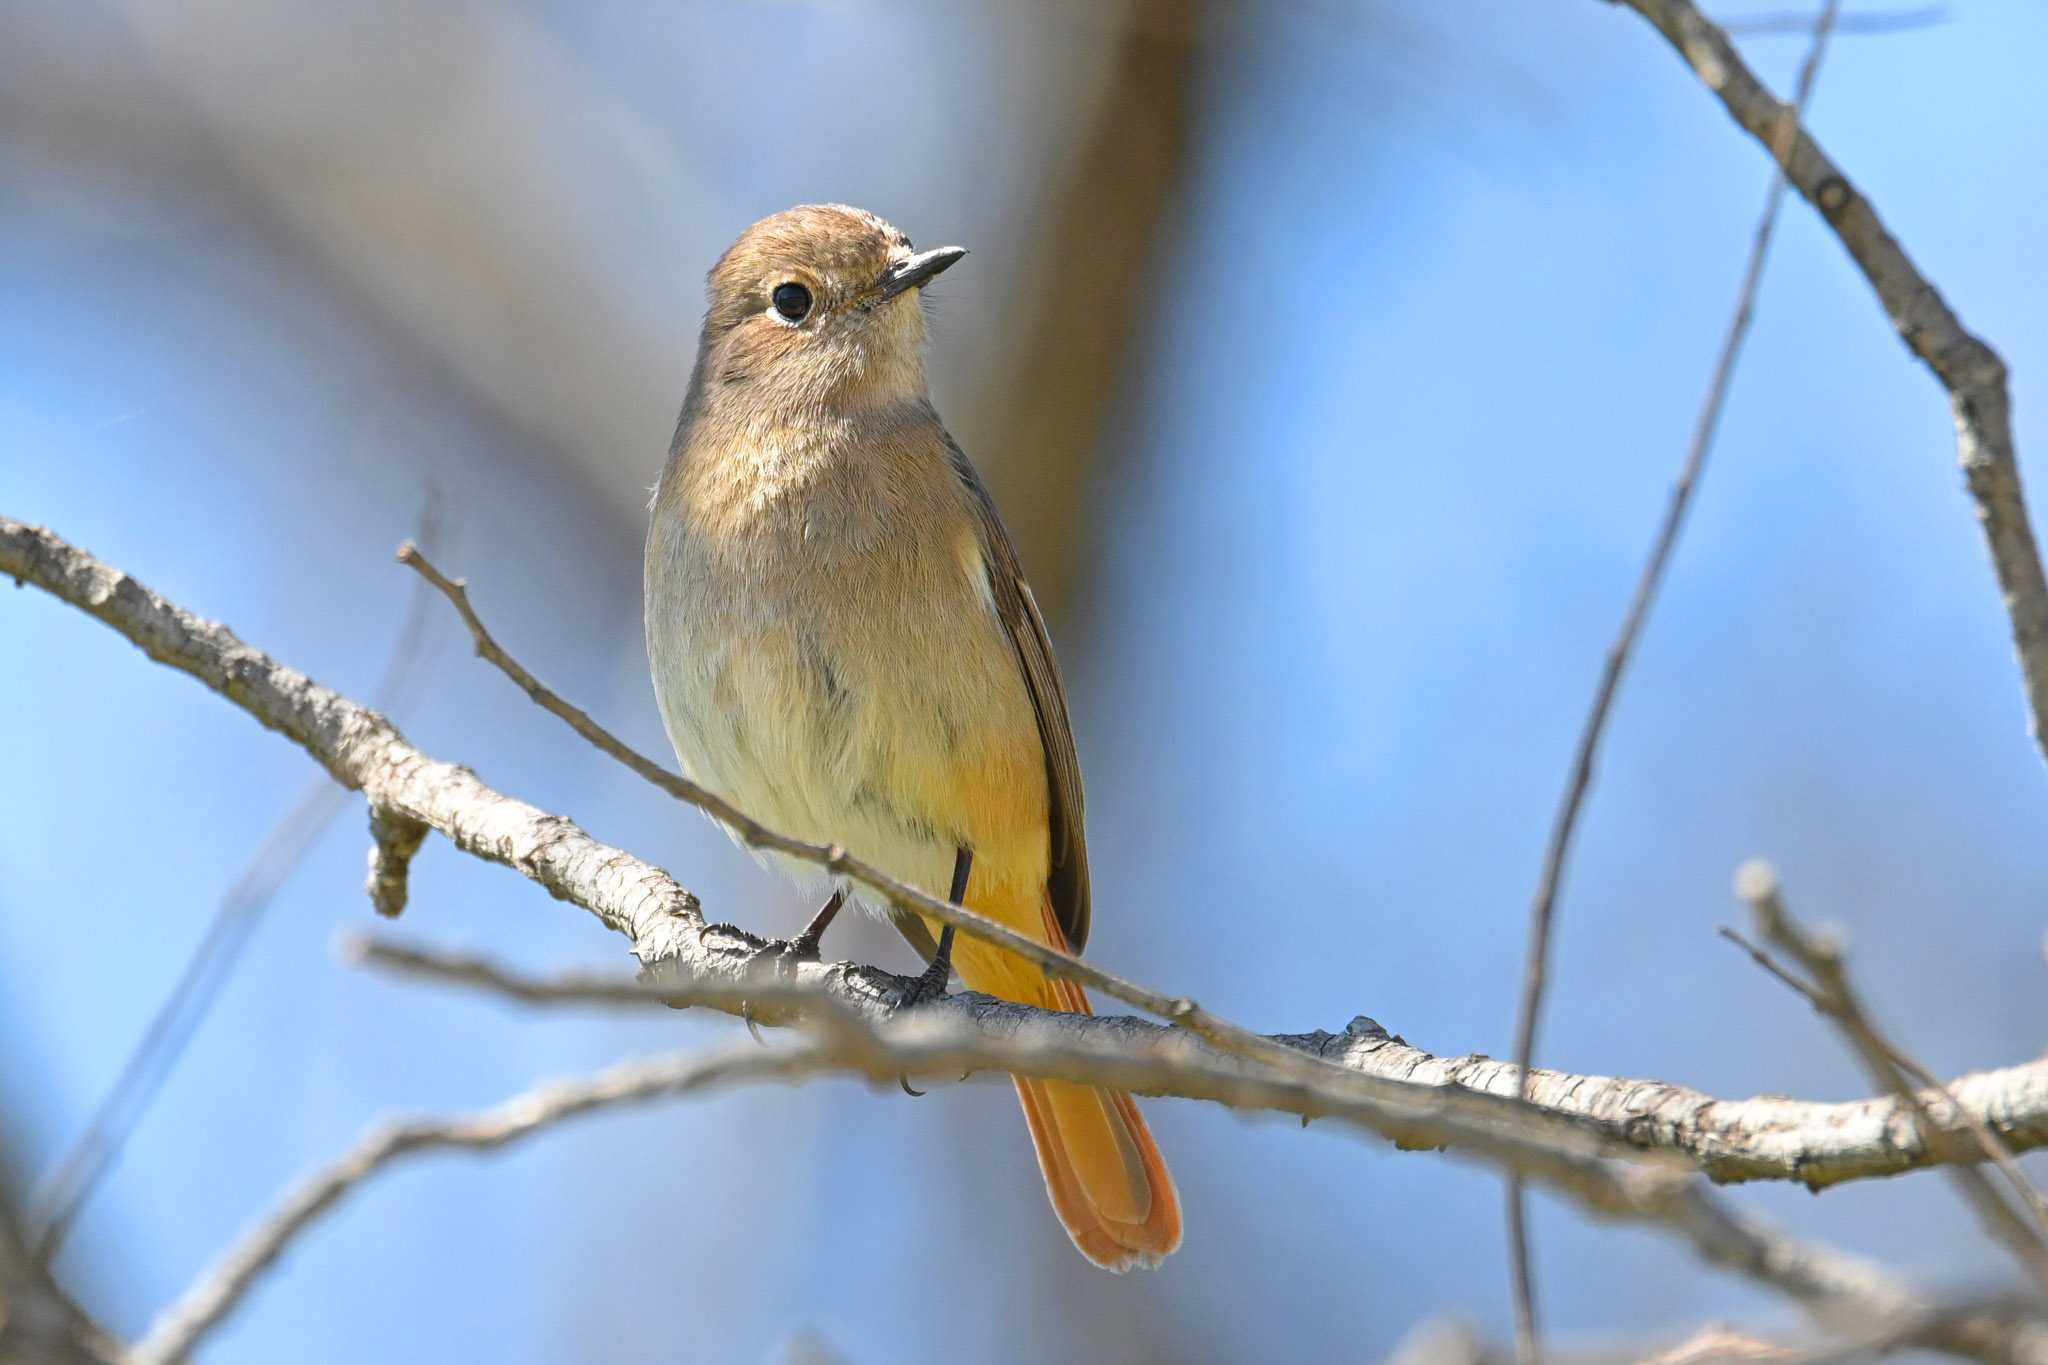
818 305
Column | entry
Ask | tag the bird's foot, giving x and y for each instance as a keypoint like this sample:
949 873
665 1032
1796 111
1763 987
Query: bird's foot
929 984
805 947
772 956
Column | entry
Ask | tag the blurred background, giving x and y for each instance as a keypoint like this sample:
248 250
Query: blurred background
1330 361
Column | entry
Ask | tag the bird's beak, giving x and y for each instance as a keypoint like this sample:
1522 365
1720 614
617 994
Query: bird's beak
916 270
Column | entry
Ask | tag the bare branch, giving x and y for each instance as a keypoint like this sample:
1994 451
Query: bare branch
39 1323
60 1196
917 1042
1839 1290
477 973
1543 911
694 962
1729 1141
178 1330
2009 1324
1875 21
1831 993
1757 1139
1968 369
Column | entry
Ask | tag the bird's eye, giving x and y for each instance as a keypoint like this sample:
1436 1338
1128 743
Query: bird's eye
792 300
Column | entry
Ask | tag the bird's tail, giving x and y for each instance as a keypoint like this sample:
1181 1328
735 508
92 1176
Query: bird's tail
1105 1176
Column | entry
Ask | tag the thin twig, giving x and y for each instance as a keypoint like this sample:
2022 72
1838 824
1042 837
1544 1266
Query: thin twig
180 1328
569 988
1790 24
1770 965
70 1183
1831 993
1970 371
1557 854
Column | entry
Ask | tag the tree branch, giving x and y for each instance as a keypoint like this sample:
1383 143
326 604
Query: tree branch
691 961
62 1194
1729 1140
1841 1292
1877 21
1832 995
39 1324
1968 369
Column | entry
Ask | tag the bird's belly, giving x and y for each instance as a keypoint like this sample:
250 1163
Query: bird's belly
847 727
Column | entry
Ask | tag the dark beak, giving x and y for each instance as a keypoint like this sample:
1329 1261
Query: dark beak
917 270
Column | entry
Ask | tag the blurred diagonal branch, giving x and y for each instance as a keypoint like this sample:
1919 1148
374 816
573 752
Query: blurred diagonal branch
1044 437
1871 21
1968 369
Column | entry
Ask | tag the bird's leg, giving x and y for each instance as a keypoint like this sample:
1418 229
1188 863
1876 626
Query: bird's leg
931 984
804 947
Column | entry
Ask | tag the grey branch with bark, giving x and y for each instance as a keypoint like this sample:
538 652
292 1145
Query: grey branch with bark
1727 1140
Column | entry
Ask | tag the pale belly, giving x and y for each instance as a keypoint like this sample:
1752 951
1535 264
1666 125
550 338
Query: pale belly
841 708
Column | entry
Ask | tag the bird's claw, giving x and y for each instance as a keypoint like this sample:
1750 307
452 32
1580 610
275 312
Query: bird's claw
927 986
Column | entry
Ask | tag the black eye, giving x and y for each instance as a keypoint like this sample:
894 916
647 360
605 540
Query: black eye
792 300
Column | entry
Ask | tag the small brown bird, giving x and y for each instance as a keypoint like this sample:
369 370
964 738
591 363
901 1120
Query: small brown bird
844 647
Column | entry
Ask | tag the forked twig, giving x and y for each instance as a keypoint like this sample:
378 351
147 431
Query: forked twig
1830 992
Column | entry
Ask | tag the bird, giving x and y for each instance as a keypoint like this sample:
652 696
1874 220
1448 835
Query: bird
844 647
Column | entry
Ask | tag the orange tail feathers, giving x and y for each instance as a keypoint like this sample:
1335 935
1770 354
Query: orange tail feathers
1107 1181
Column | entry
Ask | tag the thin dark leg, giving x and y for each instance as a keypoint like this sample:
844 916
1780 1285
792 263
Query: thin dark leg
931 983
806 944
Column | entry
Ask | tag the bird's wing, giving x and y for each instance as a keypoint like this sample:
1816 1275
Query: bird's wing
1067 879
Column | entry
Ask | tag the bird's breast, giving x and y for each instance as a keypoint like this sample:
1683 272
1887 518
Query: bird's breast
826 656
